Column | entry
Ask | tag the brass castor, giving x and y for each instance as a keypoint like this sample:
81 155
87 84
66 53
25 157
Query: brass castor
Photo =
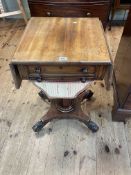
38 126
88 95
42 95
92 126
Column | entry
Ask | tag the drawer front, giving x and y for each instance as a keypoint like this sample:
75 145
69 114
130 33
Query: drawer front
67 1
61 72
68 10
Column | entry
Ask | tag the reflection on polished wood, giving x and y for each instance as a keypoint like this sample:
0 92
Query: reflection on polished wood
78 39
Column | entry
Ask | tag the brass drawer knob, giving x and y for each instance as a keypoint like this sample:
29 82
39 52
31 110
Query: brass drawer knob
88 14
83 79
84 70
48 13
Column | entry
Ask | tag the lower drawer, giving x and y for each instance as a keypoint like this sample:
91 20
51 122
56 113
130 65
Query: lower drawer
69 10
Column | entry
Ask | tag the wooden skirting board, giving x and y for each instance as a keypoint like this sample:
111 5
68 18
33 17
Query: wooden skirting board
64 147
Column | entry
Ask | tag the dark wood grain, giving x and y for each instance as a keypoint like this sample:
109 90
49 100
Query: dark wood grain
127 29
122 84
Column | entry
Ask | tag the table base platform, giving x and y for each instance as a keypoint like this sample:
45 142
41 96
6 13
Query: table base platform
66 109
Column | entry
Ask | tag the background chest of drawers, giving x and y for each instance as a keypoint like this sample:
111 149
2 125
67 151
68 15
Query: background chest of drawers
71 8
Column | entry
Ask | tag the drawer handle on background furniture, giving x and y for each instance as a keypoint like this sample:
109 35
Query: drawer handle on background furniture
88 14
48 13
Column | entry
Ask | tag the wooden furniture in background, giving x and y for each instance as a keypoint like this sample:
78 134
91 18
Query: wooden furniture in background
74 54
127 29
21 11
119 5
71 8
122 4
122 68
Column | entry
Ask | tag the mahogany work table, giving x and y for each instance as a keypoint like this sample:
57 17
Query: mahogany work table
62 56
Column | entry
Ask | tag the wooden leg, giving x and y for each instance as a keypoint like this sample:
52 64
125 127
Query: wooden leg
108 77
22 11
119 112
